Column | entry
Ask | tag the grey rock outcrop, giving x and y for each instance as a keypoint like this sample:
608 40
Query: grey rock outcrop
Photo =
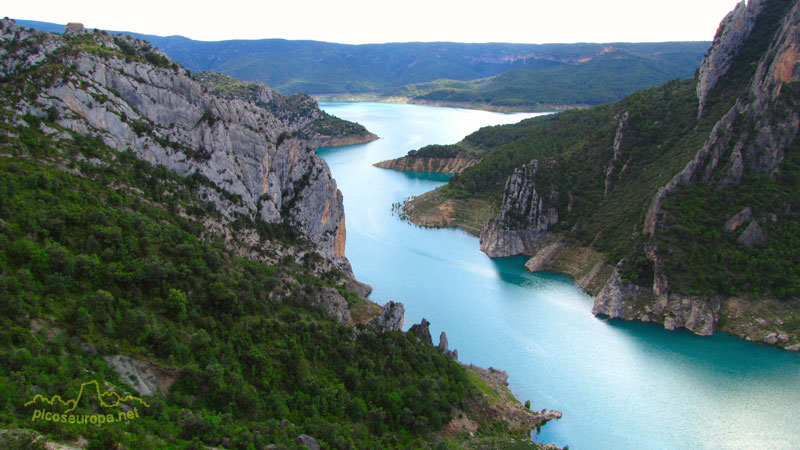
144 376
523 219
73 28
612 165
739 219
544 256
308 441
729 39
334 305
421 331
443 347
167 118
390 318
456 164
753 236
621 299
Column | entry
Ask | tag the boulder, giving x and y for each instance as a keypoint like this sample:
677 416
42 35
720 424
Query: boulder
308 441
753 236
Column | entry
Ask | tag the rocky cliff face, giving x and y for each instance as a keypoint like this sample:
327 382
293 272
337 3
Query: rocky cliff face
731 35
308 121
523 219
622 299
390 319
751 138
132 97
612 169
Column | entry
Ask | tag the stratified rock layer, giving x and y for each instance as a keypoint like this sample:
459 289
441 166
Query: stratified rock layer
523 219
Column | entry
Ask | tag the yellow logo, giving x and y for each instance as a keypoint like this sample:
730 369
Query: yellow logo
107 399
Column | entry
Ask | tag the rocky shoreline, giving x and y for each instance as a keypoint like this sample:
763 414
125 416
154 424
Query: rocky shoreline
767 321
749 138
425 164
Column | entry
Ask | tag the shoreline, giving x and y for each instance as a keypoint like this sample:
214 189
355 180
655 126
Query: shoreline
377 98
762 321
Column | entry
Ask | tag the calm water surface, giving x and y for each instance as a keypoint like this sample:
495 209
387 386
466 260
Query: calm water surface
620 385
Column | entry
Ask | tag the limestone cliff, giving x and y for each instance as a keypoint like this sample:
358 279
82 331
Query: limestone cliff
524 217
132 96
731 35
309 122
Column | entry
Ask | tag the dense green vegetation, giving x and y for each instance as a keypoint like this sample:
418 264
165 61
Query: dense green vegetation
577 165
95 252
105 255
574 148
435 151
522 75
604 79
705 259
694 232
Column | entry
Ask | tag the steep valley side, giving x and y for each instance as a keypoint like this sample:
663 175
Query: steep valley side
177 235
675 205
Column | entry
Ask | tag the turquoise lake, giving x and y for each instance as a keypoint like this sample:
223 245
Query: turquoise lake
620 385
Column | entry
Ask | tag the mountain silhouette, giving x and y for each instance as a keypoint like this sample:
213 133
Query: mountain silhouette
88 392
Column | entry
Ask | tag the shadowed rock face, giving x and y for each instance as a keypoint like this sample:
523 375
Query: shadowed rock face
523 219
421 331
165 117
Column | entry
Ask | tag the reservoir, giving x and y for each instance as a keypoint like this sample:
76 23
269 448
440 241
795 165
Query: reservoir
620 385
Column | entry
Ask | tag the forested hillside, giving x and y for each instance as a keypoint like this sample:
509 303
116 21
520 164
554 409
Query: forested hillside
178 245
689 190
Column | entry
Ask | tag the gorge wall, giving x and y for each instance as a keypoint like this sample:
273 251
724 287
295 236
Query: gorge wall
259 149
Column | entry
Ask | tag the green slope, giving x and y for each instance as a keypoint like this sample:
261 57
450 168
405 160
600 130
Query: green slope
575 150
103 254
603 79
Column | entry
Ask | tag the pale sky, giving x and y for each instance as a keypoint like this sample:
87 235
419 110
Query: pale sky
376 21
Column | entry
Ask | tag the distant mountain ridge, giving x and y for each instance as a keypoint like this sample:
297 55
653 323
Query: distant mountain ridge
528 75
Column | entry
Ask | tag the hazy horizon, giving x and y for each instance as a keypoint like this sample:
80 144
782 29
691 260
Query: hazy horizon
361 22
